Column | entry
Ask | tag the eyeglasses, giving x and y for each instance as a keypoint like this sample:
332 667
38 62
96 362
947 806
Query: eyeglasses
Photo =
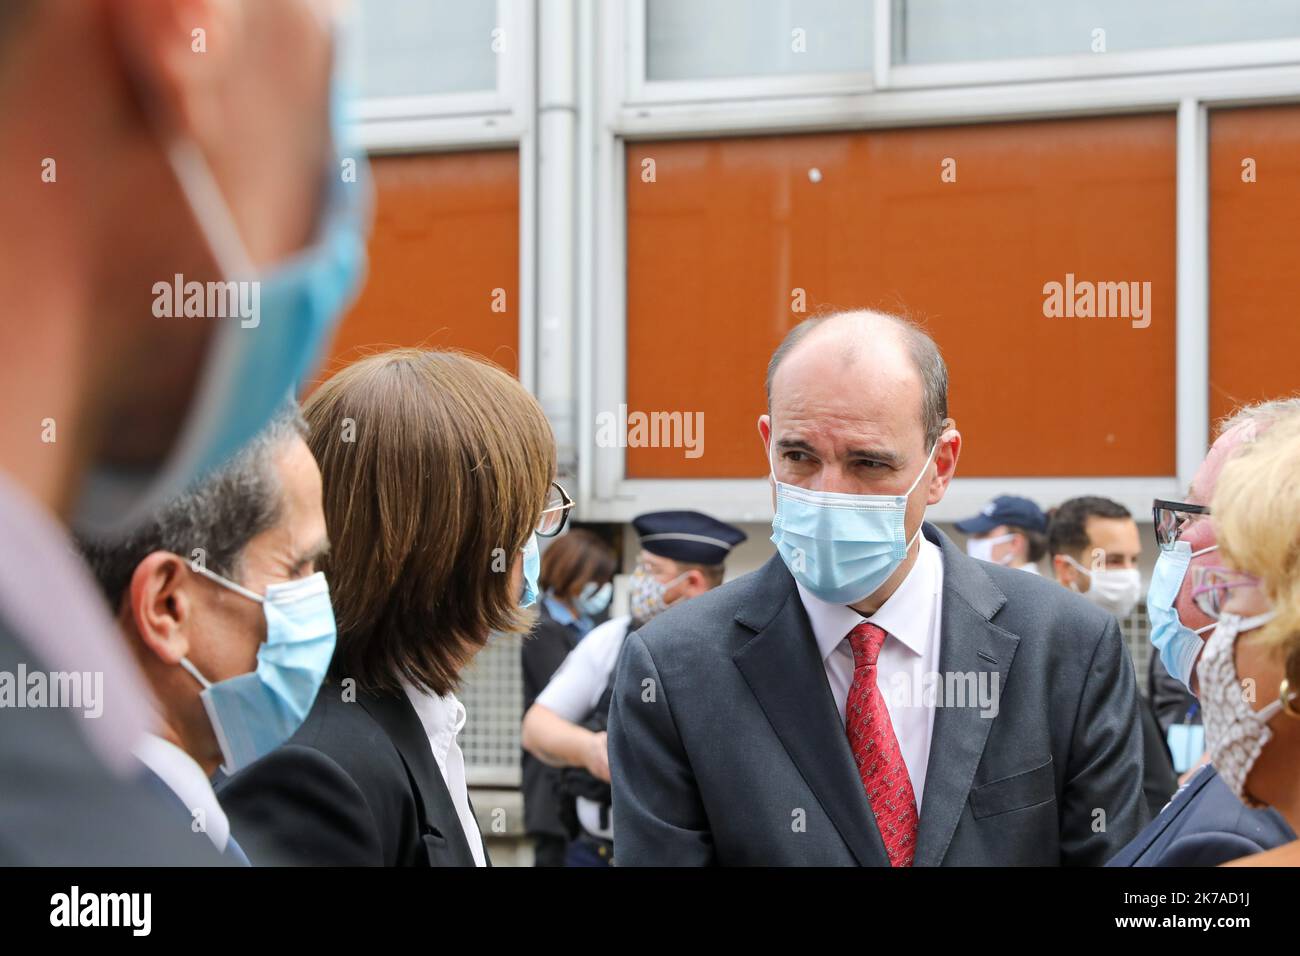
1210 587
556 513
1171 519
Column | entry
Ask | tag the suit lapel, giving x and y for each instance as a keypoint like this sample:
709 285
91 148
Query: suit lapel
969 643
784 670
395 714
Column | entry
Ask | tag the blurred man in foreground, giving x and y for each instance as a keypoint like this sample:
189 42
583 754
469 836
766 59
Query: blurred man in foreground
144 145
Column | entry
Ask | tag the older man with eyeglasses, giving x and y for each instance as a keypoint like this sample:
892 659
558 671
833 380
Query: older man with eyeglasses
1204 824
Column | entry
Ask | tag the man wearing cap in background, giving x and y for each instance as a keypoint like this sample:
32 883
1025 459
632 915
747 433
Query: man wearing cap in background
683 554
1010 531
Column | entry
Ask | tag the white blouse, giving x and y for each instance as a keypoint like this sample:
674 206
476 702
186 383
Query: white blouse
443 718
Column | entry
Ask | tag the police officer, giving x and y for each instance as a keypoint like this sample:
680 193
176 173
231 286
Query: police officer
682 555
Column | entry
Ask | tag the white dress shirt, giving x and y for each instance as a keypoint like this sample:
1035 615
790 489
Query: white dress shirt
911 618
185 778
443 718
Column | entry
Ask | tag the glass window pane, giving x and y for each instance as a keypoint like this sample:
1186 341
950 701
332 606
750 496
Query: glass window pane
423 47
945 31
694 40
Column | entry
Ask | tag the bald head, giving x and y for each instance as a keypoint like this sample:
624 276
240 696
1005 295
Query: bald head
864 342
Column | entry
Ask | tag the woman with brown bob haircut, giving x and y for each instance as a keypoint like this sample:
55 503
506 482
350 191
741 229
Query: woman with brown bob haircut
438 472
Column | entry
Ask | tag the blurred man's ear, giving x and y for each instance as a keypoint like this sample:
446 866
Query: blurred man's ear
1061 570
174 49
159 607
696 583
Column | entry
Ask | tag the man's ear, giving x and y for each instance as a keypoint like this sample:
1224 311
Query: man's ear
765 431
945 459
173 49
1062 570
159 605
696 583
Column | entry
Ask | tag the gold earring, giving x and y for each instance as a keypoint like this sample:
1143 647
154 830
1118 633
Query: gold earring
1288 700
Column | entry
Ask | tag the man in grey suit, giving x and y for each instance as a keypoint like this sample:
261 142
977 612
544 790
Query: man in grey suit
872 695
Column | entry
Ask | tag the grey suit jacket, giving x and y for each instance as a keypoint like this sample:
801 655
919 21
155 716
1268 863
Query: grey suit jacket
60 806
726 746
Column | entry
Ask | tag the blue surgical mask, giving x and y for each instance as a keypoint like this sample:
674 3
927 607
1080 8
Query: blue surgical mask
532 571
842 547
593 598
254 713
1177 643
253 364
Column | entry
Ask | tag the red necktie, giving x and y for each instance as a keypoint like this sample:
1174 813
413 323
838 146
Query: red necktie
876 751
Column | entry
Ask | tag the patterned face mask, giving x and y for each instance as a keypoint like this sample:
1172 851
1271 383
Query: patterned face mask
647 595
1235 733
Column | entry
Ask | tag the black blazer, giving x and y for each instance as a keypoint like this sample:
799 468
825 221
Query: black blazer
357 785
544 650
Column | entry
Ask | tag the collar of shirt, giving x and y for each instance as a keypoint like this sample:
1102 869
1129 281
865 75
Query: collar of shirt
906 615
560 614
187 780
442 718
557 610
53 606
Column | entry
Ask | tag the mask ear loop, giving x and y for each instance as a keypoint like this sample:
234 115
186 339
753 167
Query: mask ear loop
210 210
194 672
924 468
1196 554
230 585
672 584
907 494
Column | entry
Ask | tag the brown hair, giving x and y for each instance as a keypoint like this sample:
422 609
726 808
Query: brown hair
436 467
573 560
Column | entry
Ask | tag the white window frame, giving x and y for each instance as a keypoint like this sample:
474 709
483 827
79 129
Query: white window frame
461 120
502 119
640 89
1185 82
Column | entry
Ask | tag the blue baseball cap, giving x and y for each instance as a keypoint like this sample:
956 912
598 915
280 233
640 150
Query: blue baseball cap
1005 510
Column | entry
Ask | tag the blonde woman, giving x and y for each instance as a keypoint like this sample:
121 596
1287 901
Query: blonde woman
1249 671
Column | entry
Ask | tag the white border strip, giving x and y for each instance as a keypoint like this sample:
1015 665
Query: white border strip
1192 343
